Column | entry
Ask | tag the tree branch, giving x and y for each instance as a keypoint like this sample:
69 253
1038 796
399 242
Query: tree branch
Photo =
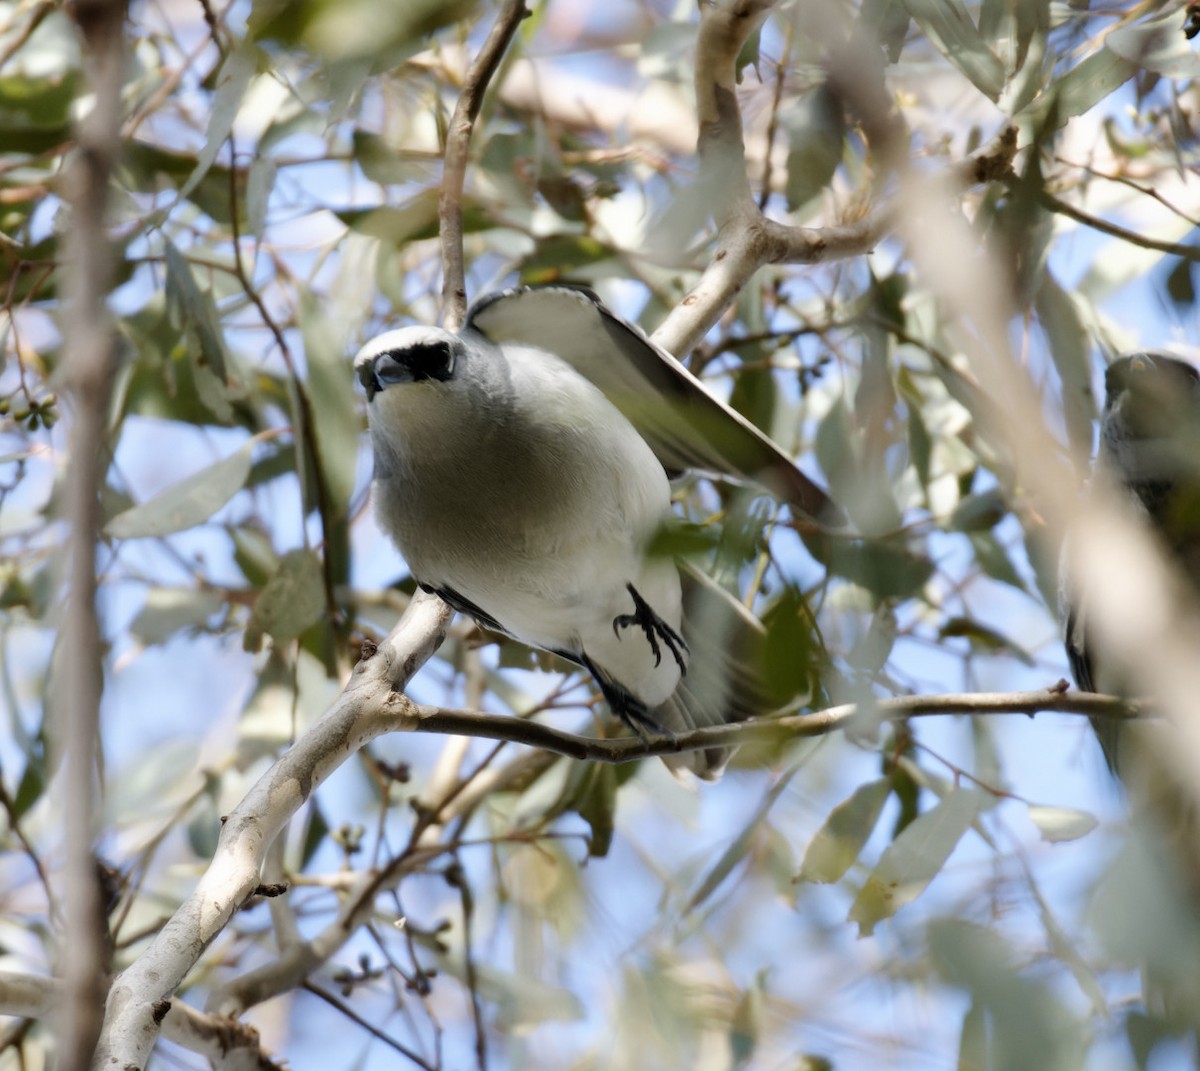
369 706
87 383
816 723
454 168
1063 208
228 1044
746 239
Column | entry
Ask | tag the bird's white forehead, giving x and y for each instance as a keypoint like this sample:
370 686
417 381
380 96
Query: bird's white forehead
402 338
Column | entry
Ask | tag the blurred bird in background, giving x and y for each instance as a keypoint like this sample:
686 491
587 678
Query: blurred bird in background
1150 452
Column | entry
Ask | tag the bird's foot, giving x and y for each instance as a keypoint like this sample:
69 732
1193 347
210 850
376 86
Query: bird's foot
631 710
654 628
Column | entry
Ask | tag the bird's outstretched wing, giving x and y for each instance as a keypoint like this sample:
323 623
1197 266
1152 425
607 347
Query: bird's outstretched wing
685 425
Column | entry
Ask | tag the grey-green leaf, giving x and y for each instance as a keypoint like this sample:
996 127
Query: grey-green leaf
952 32
915 857
840 840
292 600
191 309
188 503
168 610
1058 824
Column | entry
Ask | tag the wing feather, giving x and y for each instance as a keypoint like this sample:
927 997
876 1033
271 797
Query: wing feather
685 425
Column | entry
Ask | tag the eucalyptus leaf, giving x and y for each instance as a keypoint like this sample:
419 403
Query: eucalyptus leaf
916 857
188 503
168 610
292 601
951 31
840 841
1058 824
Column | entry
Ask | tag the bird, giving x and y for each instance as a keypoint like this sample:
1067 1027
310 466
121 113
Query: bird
522 468
1149 450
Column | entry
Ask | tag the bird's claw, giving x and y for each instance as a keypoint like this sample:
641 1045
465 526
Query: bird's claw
654 628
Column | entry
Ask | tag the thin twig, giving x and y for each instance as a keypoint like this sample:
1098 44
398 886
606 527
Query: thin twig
454 169
305 422
1177 249
369 1027
472 974
9 805
1133 184
39 12
367 707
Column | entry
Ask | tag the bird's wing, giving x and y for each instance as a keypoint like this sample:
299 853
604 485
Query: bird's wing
685 425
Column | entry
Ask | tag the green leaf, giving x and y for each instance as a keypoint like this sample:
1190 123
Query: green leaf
1082 87
33 782
981 511
791 653
315 831
345 30
409 222
596 804
204 824
334 406
1070 346
839 842
951 31
188 503
1181 286
888 21
35 112
383 161
1058 824
982 638
994 560
292 601
920 444
745 1029
259 183
233 79
888 570
192 309
168 610
558 255
915 858
254 554
817 130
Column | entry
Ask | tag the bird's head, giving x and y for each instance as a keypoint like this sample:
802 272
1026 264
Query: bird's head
1151 396
409 355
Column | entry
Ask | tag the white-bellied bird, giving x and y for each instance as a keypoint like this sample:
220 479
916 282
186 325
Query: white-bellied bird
522 468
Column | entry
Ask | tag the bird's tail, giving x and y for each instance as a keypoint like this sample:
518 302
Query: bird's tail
726 677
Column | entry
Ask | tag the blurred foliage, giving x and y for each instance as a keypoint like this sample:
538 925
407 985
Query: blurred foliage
874 900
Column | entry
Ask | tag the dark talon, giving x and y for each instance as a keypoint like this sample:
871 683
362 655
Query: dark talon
653 628
631 710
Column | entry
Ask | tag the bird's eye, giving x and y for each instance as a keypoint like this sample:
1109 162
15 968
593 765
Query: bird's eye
429 360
